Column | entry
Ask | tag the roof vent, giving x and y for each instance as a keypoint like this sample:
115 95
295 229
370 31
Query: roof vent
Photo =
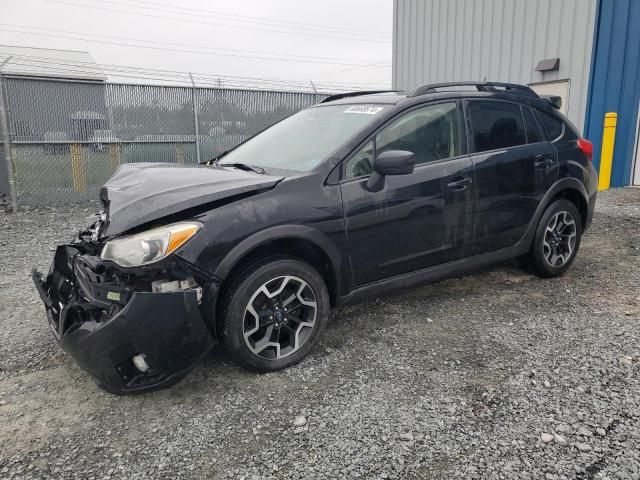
548 65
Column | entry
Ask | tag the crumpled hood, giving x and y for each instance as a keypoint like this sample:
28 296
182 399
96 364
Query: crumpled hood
143 192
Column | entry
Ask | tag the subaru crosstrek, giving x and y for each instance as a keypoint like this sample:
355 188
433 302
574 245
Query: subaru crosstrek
361 194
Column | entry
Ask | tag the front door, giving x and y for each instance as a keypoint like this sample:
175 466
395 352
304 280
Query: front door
514 167
416 220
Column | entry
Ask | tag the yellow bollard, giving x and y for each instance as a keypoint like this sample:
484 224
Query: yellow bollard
114 157
179 153
606 155
77 168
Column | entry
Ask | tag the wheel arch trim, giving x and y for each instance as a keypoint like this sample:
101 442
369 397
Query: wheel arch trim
282 232
560 186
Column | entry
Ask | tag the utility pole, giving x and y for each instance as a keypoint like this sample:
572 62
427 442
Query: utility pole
313 86
6 138
195 117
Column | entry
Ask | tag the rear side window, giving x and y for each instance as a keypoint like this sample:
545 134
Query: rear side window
496 125
534 134
552 125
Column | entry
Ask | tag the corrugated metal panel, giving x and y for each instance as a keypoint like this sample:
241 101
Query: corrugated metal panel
500 40
50 63
615 84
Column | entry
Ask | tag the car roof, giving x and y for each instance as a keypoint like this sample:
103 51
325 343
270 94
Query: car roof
405 100
388 98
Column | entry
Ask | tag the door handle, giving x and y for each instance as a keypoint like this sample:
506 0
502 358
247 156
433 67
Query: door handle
543 162
460 183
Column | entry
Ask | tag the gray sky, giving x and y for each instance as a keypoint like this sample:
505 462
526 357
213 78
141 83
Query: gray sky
328 41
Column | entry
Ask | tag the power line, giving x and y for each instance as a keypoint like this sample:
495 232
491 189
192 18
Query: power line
113 37
173 18
177 49
254 20
249 19
169 80
382 64
89 66
83 68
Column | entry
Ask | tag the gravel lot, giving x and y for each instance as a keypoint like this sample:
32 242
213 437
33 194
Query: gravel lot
494 375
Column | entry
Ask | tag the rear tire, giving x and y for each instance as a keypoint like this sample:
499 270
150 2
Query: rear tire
274 313
556 241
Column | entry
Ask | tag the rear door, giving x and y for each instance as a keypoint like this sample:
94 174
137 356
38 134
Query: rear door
514 167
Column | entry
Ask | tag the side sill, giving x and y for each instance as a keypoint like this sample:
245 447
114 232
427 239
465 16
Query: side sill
433 274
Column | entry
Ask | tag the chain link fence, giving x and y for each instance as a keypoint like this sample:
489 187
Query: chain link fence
68 137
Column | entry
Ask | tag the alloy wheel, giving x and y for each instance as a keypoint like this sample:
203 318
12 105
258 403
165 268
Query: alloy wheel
559 239
280 317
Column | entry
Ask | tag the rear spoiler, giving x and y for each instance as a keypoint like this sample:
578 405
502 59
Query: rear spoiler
554 100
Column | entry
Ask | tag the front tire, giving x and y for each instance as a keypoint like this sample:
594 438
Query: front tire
273 313
557 239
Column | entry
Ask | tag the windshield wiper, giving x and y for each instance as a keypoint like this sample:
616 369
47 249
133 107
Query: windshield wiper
243 166
214 160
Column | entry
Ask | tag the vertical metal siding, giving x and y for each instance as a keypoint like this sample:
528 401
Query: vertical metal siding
502 40
615 82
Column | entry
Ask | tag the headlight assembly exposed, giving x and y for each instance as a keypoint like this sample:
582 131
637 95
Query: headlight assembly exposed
150 246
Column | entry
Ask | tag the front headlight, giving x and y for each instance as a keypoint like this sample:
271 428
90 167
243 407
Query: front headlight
150 246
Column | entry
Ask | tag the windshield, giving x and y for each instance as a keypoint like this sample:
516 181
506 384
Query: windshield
303 140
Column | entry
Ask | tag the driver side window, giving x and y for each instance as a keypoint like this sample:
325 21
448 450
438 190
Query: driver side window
430 133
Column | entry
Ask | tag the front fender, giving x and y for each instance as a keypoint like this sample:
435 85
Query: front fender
279 232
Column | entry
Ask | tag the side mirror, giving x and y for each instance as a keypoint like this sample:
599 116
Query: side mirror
391 162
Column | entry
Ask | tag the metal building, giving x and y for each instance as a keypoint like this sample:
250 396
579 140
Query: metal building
586 51
49 63
40 64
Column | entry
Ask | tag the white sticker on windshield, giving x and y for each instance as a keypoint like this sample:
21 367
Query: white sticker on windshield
364 109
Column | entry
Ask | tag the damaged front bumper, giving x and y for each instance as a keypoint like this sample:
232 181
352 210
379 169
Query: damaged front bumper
127 334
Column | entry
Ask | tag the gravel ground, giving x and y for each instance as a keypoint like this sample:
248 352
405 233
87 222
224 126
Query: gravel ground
497 374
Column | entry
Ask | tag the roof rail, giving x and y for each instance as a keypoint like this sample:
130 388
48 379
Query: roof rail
480 86
338 96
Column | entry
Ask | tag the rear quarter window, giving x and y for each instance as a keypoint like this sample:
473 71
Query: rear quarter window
552 125
534 134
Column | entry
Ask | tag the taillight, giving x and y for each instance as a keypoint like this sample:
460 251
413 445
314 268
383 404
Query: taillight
587 148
